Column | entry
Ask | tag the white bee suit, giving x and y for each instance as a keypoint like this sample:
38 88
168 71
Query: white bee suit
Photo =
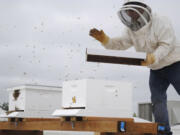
156 37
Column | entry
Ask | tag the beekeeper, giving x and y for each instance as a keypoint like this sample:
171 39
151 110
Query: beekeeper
154 35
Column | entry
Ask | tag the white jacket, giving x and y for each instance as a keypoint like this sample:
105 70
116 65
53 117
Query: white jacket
156 37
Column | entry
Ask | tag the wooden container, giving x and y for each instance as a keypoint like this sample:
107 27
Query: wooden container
115 57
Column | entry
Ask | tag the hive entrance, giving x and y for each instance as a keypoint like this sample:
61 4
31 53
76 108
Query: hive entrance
16 94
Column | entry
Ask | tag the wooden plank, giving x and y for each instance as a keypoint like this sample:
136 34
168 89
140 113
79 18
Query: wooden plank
41 119
102 126
14 132
142 128
83 118
115 57
114 60
93 124
109 119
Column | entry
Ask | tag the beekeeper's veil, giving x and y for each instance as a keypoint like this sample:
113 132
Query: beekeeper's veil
135 14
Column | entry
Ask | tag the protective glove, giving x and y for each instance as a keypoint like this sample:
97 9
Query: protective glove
150 59
99 35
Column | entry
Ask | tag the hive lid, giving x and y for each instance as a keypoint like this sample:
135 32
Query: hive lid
116 53
115 57
66 112
29 114
35 87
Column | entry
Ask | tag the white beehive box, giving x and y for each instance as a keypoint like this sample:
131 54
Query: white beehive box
96 98
34 100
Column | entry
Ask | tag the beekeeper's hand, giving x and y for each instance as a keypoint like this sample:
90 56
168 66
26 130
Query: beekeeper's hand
150 59
99 35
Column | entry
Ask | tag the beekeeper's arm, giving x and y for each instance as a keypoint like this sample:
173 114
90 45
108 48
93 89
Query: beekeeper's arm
120 43
166 39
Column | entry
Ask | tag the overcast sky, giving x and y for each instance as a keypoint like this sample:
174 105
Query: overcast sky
44 41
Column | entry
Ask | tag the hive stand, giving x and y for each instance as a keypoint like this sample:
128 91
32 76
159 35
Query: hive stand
99 125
